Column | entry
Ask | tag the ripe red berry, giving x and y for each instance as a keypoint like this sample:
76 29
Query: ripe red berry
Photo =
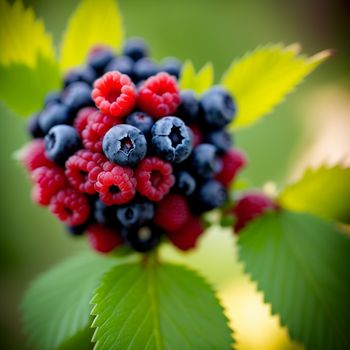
154 178
102 238
172 212
159 95
115 184
82 119
232 162
114 94
70 206
186 237
249 207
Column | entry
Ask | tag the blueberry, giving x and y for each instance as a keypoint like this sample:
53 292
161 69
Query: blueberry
124 145
105 215
122 64
61 142
84 74
144 68
144 238
52 97
76 96
217 107
171 139
141 121
54 114
172 66
135 48
204 160
77 230
146 209
189 106
210 195
99 58
33 127
221 139
185 183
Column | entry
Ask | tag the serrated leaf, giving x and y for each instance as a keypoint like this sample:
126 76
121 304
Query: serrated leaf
301 264
324 191
56 307
261 79
198 82
157 307
93 23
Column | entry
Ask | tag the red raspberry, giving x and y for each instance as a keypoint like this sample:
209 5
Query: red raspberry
82 119
197 135
249 207
159 95
33 155
172 212
232 162
114 94
187 236
102 238
97 127
154 178
82 170
48 181
70 206
115 184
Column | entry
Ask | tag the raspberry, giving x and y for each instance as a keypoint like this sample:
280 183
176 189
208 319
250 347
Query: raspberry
70 206
159 95
114 94
232 162
48 181
115 184
249 207
172 212
33 155
102 238
187 236
82 118
154 178
97 127
82 170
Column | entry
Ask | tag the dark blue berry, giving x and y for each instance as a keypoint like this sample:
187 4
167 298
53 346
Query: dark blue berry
189 106
129 215
146 209
105 215
100 58
204 161
185 183
76 96
217 107
141 121
144 68
54 114
221 139
144 238
172 66
135 48
84 74
122 64
124 145
33 127
77 230
52 97
171 139
61 142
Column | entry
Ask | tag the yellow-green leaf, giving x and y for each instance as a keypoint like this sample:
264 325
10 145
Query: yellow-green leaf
261 79
324 191
93 23
199 82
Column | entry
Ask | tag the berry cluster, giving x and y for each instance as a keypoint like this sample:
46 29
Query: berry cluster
121 154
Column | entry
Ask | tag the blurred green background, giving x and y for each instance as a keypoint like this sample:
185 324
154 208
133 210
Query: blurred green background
203 30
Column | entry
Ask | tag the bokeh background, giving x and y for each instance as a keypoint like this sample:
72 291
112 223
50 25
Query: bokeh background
311 127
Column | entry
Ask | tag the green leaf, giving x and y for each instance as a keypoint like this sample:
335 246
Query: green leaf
301 264
93 23
199 82
324 191
157 307
261 79
23 88
56 307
